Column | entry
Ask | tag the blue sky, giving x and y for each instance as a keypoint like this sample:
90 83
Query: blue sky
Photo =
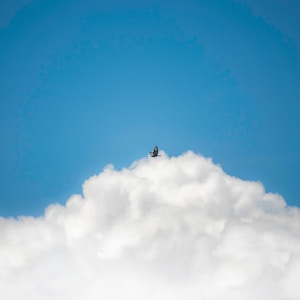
89 83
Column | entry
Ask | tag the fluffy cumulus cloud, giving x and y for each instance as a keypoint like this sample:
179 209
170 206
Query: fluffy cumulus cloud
164 228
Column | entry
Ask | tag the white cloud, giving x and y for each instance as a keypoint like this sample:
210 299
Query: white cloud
165 228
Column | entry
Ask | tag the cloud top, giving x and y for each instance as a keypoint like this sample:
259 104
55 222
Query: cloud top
164 228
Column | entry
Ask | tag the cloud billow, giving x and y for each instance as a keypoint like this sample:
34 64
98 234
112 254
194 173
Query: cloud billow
164 228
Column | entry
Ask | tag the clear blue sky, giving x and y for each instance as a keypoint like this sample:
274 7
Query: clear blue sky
89 83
